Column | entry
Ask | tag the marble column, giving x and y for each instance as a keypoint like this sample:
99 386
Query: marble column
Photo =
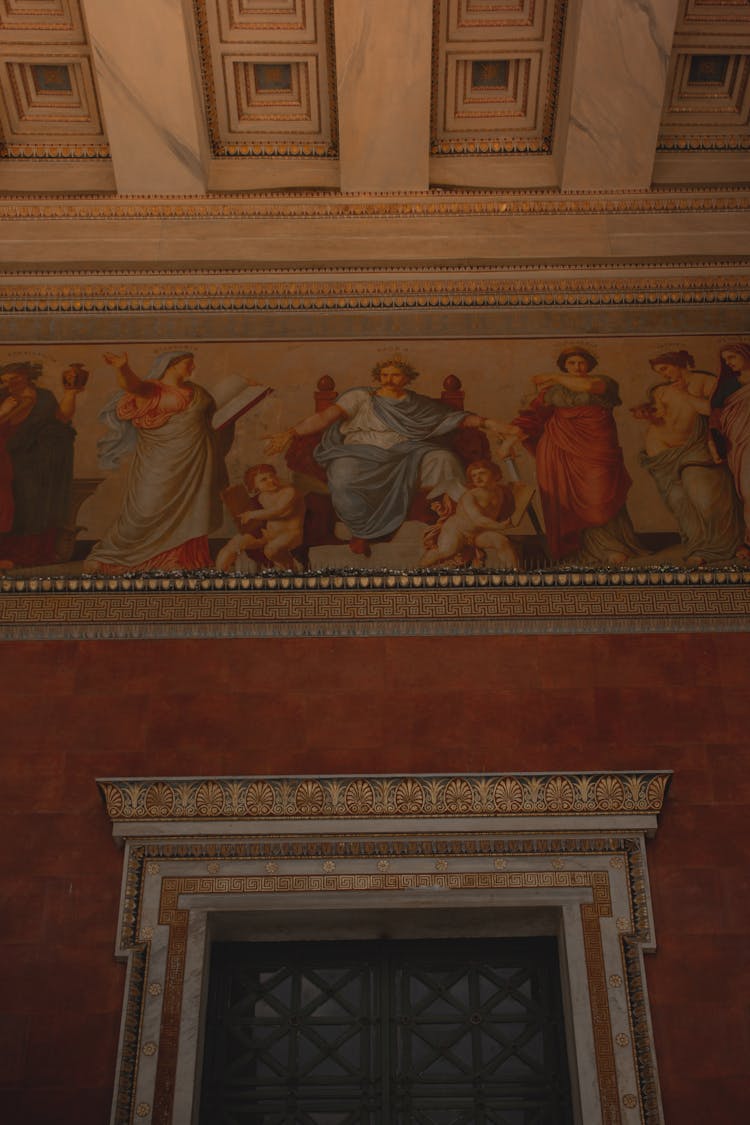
148 84
383 52
617 59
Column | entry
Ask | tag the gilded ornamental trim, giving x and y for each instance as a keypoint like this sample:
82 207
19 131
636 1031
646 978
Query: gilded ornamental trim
53 150
312 798
444 580
317 294
374 205
703 142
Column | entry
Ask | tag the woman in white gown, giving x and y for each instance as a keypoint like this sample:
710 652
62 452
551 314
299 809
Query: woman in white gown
172 501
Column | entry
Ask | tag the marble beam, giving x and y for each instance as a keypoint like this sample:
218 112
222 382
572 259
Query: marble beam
618 55
150 95
383 50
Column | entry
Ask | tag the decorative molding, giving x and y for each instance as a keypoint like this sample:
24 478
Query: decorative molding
414 205
415 269
455 289
170 886
49 150
435 322
311 798
58 121
517 118
50 20
362 604
702 143
709 114
300 121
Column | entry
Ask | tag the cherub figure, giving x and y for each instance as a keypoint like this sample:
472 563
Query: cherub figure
478 523
282 509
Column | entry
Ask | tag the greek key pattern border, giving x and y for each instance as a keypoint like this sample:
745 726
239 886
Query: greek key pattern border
311 798
374 605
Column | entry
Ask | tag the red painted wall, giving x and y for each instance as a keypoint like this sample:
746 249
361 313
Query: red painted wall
73 711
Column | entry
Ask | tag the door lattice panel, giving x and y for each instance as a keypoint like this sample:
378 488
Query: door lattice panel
385 1033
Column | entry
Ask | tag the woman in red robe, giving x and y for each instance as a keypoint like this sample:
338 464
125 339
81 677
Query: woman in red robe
583 482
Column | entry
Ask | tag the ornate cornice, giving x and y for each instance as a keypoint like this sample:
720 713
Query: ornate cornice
322 294
411 205
197 274
384 797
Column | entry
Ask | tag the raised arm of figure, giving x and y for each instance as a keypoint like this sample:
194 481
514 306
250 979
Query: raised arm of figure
315 424
478 422
67 406
127 378
590 384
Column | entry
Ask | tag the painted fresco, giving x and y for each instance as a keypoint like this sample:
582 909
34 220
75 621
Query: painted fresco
500 454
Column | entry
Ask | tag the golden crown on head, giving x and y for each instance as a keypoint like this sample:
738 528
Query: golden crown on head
395 359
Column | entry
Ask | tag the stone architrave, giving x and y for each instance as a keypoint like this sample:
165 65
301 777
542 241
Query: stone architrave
387 856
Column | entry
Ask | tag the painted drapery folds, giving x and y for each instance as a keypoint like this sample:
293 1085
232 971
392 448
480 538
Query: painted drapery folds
244 457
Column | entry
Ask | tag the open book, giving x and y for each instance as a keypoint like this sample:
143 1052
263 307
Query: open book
234 397
523 495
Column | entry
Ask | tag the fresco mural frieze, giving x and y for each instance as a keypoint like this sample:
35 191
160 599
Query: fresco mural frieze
251 457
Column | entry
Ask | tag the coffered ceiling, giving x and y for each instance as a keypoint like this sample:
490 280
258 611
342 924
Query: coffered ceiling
372 131
258 94
707 105
268 77
49 108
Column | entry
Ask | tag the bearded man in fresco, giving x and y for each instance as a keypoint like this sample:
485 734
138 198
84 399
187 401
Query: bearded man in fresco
380 445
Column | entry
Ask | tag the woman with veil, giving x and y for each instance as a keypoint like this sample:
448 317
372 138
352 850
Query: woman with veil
172 500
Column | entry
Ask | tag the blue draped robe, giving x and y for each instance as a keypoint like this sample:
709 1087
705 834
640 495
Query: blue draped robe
372 488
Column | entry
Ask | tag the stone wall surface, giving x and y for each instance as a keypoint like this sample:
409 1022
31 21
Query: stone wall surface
71 712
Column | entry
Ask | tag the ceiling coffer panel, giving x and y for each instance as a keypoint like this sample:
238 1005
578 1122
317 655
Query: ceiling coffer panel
56 20
495 75
707 104
48 101
269 78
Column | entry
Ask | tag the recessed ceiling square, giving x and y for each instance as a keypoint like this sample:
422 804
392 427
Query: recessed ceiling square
272 76
708 69
489 74
51 78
